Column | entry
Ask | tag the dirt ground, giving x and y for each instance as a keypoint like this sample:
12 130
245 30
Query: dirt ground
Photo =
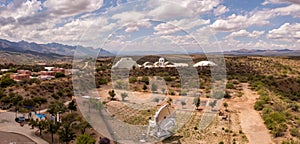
250 120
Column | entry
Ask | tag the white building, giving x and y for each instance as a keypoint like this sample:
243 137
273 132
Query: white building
162 63
204 63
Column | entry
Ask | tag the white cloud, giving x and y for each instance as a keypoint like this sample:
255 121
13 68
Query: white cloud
179 25
178 8
266 2
260 18
68 8
221 9
127 17
244 33
135 26
286 32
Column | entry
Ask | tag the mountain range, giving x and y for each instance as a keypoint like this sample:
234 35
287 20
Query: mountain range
50 50
56 50
275 52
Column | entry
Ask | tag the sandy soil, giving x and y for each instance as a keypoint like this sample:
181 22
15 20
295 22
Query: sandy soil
251 122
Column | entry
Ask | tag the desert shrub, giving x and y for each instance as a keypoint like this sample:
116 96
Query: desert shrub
39 100
145 79
16 100
275 122
229 86
132 79
168 78
278 130
259 105
172 92
59 75
55 96
28 102
6 81
295 132
294 107
101 81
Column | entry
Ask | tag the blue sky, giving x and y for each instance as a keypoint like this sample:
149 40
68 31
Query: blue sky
140 25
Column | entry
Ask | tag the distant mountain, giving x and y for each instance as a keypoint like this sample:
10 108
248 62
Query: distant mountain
276 52
50 49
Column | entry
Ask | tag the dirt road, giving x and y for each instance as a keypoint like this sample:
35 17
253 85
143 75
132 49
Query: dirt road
251 122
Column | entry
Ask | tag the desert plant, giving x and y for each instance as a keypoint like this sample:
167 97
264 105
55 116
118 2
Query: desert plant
85 139
197 102
112 94
124 95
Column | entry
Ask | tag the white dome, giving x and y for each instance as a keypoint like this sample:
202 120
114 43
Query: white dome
204 63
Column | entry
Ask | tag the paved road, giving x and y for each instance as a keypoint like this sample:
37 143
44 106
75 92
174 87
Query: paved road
8 124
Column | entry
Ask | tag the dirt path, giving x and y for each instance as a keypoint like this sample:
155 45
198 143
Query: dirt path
251 122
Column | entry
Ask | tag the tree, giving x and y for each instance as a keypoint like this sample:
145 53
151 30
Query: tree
40 124
197 102
32 123
83 125
169 101
144 87
66 134
6 81
59 75
56 107
72 106
85 139
225 105
183 103
52 128
124 95
112 94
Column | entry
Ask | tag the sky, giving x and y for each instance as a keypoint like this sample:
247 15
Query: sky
155 25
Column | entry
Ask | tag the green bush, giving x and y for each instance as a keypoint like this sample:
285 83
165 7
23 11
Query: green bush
6 81
132 79
59 75
229 86
145 79
259 105
295 132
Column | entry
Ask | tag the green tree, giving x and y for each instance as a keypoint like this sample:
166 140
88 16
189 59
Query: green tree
72 106
112 94
225 105
66 134
59 75
145 87
40 124
56 107
52 128
85 139
6 81
197 102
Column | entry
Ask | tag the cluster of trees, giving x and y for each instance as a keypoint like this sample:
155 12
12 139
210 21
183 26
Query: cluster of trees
66 129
